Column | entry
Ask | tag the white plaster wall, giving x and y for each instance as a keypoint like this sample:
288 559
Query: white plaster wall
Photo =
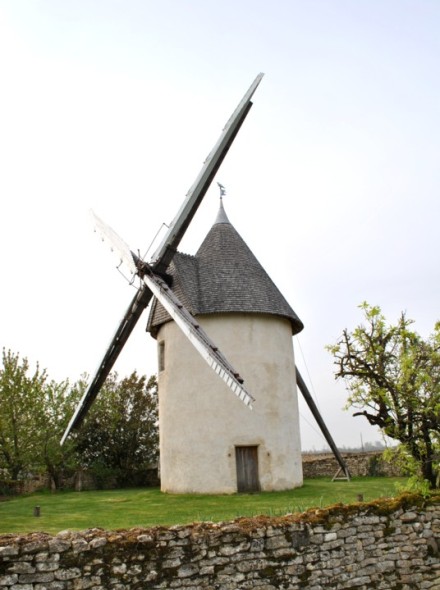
201 420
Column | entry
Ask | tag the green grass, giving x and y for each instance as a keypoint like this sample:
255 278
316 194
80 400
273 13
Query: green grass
146 507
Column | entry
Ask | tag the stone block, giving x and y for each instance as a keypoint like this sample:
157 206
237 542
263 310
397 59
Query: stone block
59 545
36 577
119 569
47 566
98 542
228 550
8 550
21 567
8 580
144 538
86 582
408 517
68 573
34 547
80 545
187 570
277 542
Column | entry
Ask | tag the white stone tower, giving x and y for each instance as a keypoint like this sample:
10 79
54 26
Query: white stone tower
209 441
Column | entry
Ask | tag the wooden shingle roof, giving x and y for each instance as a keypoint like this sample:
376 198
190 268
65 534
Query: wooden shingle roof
223 277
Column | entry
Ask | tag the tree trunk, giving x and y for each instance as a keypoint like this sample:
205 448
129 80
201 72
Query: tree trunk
15 471
428 459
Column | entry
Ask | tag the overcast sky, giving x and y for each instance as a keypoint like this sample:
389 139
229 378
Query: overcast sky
333 180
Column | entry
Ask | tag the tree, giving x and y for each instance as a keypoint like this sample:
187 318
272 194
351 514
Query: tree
393 376
52 414
33 415
120 433
20 393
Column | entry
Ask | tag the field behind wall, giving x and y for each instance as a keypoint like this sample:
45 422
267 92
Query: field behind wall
146 507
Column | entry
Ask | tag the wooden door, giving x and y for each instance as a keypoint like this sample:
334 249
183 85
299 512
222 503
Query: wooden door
246 459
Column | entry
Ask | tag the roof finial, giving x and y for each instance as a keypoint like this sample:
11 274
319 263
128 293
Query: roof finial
222 190
221 215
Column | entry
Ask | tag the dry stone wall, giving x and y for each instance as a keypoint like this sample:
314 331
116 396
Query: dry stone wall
314 465
385 545
359 464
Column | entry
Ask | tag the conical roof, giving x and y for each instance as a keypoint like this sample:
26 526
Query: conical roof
223 277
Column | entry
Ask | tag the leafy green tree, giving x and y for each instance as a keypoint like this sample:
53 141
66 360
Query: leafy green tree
393 377
120 434
20 395
54 409
33 415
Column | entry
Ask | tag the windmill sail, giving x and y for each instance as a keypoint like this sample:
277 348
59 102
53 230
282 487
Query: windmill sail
198 337
139 302
116 243
165 253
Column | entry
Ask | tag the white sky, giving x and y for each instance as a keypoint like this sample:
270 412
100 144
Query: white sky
333 181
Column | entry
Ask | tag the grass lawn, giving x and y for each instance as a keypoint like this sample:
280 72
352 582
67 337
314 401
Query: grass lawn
146 507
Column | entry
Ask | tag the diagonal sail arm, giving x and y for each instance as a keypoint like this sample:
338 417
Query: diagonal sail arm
125 328
165 252
317 415
197 336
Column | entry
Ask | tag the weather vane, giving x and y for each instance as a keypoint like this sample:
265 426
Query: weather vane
222 190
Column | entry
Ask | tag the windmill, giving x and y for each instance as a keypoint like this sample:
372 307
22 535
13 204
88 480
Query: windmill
193 458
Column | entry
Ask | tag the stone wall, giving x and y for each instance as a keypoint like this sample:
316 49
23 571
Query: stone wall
387 545
359 464
81 480
28 485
